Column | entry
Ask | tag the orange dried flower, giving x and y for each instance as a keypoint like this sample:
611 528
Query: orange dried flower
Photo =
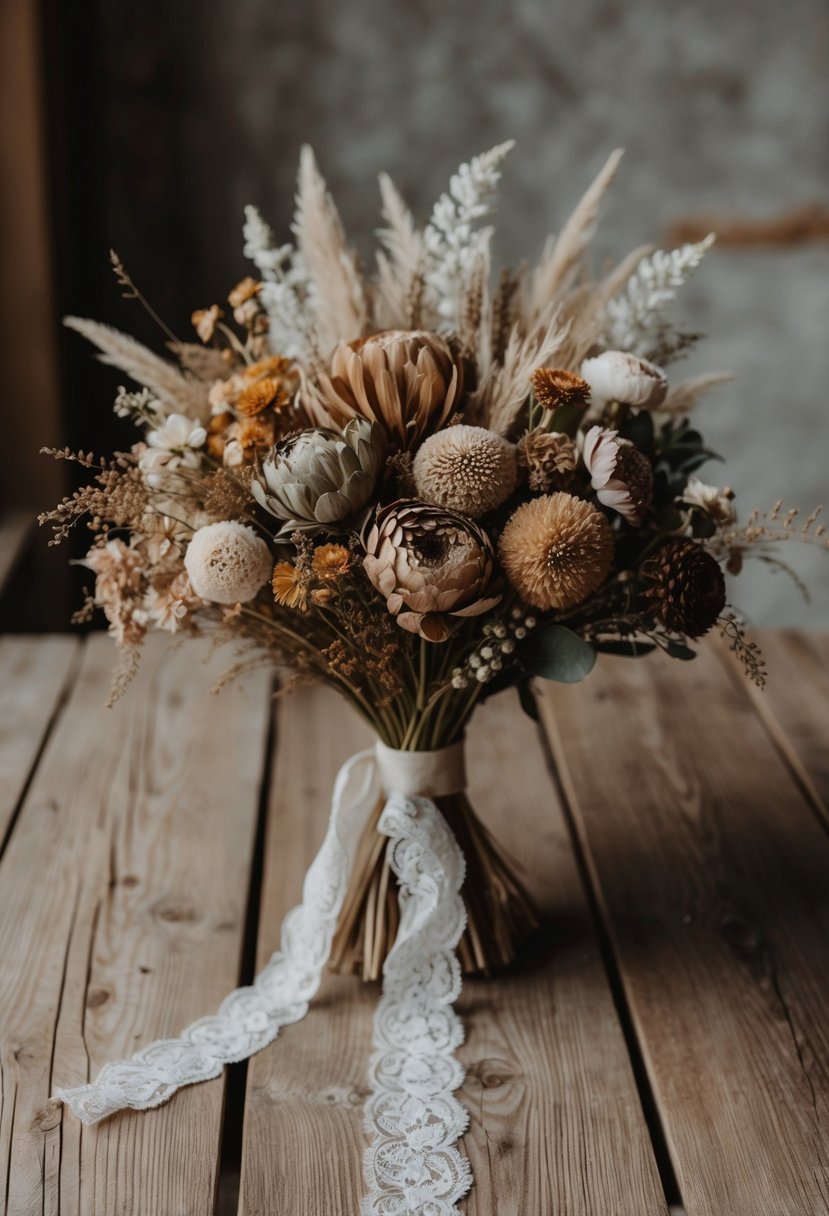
261 395
288 587
205 321
331 561
244 291
554 387
273 365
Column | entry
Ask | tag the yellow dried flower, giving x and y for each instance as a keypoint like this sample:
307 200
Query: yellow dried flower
331 561
205 321
288 588
273 365
556 550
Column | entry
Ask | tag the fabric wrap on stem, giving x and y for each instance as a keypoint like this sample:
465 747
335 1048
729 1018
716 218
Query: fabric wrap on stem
412 1118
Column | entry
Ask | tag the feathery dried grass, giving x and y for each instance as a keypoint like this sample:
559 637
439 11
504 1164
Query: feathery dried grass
178 392
503 391
399 265
562 260
684 396
337 297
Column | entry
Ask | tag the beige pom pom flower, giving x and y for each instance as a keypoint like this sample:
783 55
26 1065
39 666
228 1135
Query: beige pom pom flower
616 376
620 474
408 381
466 469
430 564
227 562
556 550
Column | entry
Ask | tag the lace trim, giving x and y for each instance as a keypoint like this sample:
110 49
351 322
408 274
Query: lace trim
250 1018
412 1117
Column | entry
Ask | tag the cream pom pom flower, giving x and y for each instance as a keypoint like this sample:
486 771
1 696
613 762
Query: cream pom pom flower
616 376
620 474
227 562
466 469
556 550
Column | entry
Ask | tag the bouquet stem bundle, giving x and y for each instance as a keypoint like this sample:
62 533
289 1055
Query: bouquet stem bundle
500 913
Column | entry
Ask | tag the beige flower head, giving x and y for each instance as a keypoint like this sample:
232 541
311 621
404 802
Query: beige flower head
616 376
620 474
466 469
550 459
430 564
717 504
556 550
408 381
227 562
205 321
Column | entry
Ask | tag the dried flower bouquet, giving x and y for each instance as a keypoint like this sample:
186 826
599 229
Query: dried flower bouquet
421 489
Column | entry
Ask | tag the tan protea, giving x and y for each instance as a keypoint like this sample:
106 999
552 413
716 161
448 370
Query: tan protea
466 469
430 564
556 550
408 381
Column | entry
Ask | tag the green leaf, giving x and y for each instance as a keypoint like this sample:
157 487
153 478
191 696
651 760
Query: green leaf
525 696
566 418
639 430
678 651
630 649
556 653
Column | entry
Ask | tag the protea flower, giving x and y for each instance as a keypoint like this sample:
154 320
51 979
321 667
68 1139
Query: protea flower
321 477
430 564
407 381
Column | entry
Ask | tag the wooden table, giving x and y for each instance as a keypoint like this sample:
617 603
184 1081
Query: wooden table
664 1045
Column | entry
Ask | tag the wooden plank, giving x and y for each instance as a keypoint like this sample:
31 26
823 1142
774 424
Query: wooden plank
33 677
711 870
15 531
122 902
795 706
556 1123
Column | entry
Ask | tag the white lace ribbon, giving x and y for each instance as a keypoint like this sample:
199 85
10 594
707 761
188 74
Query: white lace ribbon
412 1117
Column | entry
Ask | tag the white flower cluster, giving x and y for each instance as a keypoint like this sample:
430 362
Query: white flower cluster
498 644
633 319
284 285
451 246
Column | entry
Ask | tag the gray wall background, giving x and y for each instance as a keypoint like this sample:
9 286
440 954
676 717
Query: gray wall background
721 107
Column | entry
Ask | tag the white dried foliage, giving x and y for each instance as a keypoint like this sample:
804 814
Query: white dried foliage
336 294
178 393
453 241
634 320
563 259
284 287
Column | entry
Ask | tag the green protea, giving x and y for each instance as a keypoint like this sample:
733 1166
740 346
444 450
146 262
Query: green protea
320 478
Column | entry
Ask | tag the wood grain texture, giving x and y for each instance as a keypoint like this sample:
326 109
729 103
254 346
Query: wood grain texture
556 1124
33 676
795 707
711 871
122 901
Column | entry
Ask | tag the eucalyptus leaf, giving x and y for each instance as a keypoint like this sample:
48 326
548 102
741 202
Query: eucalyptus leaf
556 653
